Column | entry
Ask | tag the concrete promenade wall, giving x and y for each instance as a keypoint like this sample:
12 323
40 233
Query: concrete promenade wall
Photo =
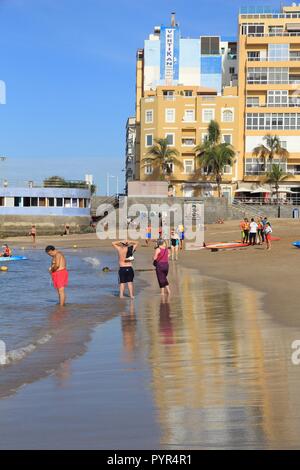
21 225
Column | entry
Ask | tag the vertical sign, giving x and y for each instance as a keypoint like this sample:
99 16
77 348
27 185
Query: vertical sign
169 55
169 60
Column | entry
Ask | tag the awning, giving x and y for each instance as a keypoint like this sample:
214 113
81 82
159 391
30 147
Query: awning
243 190
261 190
292 27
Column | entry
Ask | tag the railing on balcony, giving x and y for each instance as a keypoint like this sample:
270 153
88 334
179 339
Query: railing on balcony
272 59
290 104
290 199
293 81
272 34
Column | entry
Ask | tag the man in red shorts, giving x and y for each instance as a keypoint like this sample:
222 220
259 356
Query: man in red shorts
59 273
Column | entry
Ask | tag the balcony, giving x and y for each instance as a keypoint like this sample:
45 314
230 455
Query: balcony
273 59
290 104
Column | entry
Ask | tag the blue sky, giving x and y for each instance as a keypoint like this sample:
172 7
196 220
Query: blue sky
69 69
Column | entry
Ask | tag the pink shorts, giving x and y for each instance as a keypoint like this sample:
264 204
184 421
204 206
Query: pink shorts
60 278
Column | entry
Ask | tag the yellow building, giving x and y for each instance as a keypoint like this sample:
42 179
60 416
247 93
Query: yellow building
269 93
249 86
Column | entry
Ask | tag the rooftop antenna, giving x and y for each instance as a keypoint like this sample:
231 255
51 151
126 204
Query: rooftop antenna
173 19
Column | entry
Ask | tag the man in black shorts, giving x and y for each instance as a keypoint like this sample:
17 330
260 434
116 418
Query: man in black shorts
126 273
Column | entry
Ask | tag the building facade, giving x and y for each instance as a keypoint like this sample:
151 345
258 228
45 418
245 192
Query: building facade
130 149
64 202
251 87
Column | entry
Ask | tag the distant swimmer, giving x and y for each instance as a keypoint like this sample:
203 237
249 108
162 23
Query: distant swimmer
32 233
6 253
58 272
126 273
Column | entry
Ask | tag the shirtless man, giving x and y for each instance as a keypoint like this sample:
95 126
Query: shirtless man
59 273
126 273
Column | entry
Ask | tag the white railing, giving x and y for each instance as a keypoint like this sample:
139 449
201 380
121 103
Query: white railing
272 200
272 59
274 105
279 33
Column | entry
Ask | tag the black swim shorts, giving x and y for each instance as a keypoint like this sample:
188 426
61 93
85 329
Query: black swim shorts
126 275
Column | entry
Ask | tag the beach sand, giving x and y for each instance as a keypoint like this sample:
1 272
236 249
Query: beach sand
209 369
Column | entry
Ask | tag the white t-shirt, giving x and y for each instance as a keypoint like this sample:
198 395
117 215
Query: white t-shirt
253 227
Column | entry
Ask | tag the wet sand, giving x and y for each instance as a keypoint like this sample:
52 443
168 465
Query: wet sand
209 369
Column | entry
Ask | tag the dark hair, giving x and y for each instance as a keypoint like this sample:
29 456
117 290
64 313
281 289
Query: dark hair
49 248
252 220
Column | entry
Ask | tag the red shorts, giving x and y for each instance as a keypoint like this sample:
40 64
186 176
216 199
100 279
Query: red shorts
268 236
60 278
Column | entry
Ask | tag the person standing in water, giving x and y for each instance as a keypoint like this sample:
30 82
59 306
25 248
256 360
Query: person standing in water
32 233
126 273
161 263
174 245
59 273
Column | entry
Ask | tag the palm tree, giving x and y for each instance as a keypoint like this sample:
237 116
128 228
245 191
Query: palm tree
275 176
163 155
272 149
213 137
215 157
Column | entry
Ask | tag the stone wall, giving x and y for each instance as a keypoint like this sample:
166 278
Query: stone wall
21 225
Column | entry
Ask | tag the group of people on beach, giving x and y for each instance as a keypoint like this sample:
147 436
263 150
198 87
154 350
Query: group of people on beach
256 231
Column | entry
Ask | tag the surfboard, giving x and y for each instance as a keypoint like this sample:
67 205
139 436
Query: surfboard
12 258
297 244
224 245
275 239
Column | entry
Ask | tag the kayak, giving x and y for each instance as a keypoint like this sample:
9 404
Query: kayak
297 244
12 258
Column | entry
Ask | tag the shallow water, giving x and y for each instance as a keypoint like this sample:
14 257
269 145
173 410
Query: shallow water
209 369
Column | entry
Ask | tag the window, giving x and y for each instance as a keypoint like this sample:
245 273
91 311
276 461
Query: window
26 202
208 115
168 95
87 203
188 93
274 30
210 45
227 115
188 166
59 202
254 166
253 55
189 115
272 121
18 202
2 201
277 97
227 138
148 140
252 101
149 116
231 70
42 202
74 202
283 144
170 114
188 142
51 201
170 167
170 139
278 52
227 170
264 75
34 201
253 29
67 202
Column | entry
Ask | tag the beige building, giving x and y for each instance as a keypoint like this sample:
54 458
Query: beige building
251 87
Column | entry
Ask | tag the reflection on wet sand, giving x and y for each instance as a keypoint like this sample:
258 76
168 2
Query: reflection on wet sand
221 371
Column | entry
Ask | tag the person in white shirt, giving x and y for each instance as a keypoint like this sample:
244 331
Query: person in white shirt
253 232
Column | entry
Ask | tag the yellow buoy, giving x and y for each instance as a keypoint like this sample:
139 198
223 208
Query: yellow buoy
106 269
74 246
3 268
